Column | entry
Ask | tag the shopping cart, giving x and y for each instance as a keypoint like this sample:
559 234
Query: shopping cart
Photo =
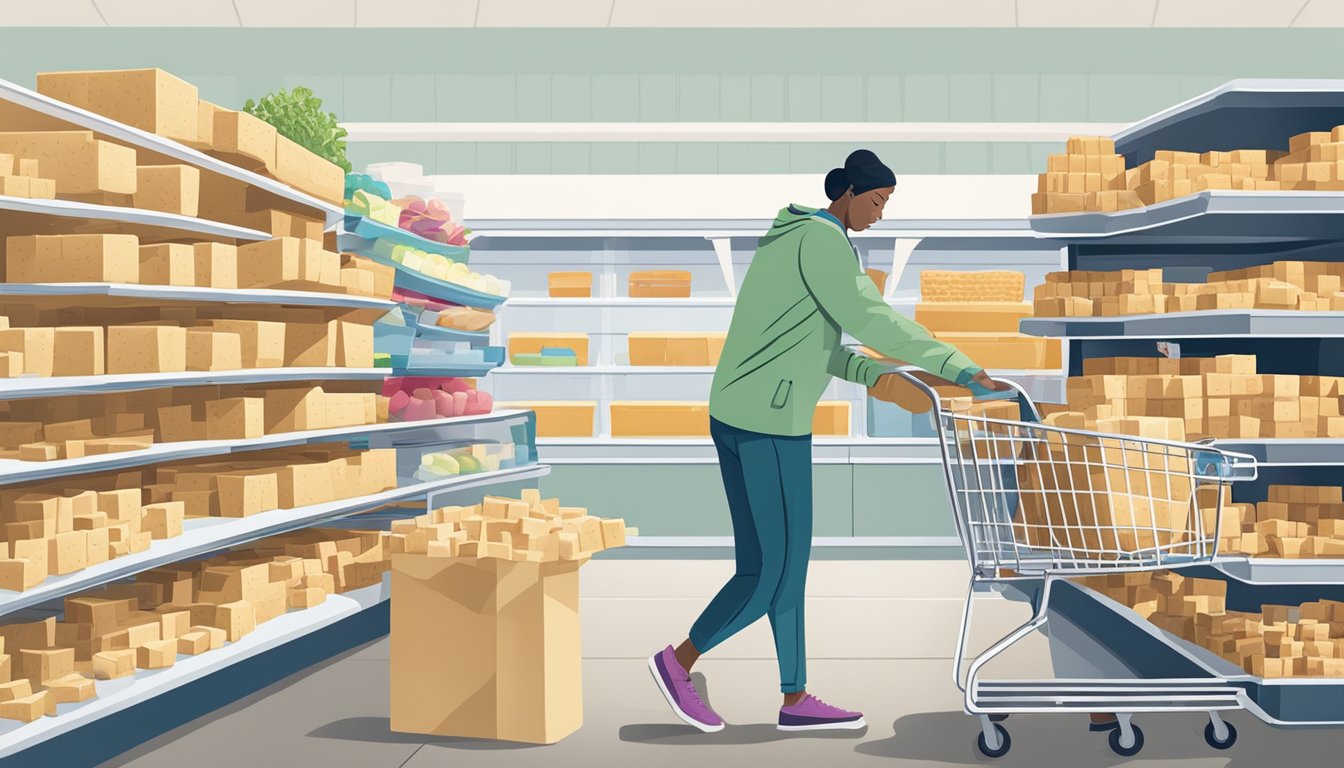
1034 504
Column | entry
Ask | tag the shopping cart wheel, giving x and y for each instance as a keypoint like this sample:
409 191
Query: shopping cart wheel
1132 749
1211 736
1004 742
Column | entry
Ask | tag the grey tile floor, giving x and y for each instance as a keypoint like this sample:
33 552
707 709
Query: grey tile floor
881 637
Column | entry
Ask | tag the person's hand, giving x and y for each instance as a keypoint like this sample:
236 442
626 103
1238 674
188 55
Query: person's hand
983 380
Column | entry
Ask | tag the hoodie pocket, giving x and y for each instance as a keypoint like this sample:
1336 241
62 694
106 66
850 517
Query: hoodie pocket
781 394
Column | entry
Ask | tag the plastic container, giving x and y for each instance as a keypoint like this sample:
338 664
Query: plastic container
559 418
660 284
657 418
570 284
394 335
533 343
691 349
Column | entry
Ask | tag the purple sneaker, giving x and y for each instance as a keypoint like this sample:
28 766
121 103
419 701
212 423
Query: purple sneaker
680 692
813 714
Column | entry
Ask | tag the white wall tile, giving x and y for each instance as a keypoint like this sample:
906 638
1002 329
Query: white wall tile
543 13
297 13
1226 13
51 13
168 13
408 13
1085 13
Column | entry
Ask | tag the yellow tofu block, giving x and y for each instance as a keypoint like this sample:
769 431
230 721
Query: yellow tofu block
168 264
79 163
72 259
156 654
168 188
216 265
212 350
559 418
149 99
146 349
997 350
110 664
831 418
78 351
262 341
269 263
971 317
659 419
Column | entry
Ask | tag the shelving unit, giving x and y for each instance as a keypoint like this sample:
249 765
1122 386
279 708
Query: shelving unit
21 109
1215 230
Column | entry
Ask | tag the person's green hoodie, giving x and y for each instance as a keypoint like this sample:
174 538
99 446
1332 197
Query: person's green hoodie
805 285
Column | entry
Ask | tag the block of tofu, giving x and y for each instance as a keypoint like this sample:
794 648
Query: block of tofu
76 161
244 139
972 316
193 642
110 665
168 188
217 636
295 409
18 574
37 345
247 493
35 550
263 341
216 265
15 689
149 99
214 350
167 264
96 546
156 654
969 286
67 552
831 418
659 419
238 619
269 263
164 519
71 689
310 341
38 665
354 344
299 598
146 349
302 485
235 418
25 709
305 171
78 351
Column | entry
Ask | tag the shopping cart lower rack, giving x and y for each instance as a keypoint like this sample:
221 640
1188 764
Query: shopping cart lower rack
1037 503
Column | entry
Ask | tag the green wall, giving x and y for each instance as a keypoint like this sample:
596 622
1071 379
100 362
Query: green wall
921 75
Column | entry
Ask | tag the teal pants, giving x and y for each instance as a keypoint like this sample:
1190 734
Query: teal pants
768 480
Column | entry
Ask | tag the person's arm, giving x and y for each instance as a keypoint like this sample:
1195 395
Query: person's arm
831 274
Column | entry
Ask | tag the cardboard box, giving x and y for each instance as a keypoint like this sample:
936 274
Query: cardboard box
269 263
263 341
235 418
76 161
149 99
216 265
167 264
698 349
659 419
72 259
78 351
146 349
533 343
486 649
211 350
243 139
831 419
307 172
168 188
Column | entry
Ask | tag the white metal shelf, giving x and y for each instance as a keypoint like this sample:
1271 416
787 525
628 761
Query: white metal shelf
53 386
173 221
204 535
13 471
710 229
116 695
1265 570
194 293
621 302
1211 217
1289 452
1212 323
81 118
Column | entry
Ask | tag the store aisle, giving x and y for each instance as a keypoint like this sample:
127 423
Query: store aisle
881 635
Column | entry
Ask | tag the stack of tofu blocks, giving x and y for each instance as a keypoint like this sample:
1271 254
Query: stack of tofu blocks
20 177
1221 397
1305 640
978 312
185 609
530 529
1294 285
1091 177
1296 521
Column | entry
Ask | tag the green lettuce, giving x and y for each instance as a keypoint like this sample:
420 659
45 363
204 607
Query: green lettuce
298 116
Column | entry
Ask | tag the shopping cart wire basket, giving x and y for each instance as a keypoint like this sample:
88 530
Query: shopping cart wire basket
1036 502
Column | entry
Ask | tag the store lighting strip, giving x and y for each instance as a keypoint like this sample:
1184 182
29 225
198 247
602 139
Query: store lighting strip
722 132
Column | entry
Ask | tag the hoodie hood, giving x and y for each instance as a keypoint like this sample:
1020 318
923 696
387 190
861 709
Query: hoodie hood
792 216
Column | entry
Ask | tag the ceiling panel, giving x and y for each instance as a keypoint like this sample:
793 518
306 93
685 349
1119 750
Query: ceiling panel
736 13
1085 13
168 13
296 13
1321 13
1226 13
415 13
543 13
922 13
51 13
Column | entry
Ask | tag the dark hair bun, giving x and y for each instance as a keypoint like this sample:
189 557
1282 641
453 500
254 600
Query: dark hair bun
837 182
860 159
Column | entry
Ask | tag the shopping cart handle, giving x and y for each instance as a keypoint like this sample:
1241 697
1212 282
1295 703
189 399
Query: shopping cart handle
982 393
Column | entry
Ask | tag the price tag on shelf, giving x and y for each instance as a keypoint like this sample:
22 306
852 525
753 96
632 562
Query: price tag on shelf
1169 349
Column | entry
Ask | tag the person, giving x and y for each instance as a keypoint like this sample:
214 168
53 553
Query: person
804 287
